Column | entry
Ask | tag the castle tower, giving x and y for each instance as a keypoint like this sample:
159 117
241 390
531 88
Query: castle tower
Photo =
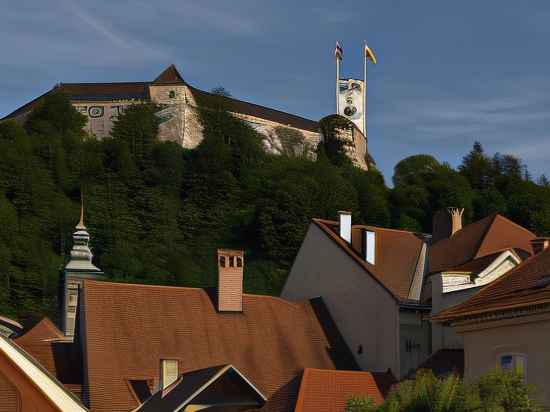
351 94
78 268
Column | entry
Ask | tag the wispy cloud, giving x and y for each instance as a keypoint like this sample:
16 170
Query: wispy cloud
114 38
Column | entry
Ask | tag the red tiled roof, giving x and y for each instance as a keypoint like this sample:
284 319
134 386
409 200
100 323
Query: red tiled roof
329 390
478 265
45 342
170 75
129 328
397 254
519 288
486 236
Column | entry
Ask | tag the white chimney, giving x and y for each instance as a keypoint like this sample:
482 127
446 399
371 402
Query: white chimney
345 225
370 246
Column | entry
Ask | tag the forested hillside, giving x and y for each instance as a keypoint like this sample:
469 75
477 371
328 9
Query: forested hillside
158 212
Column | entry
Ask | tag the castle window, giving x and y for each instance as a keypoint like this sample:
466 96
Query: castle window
172 94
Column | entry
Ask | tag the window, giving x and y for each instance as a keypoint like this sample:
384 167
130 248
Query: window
222 261
172 94
73 298
169 372
239 262
231 261
514 362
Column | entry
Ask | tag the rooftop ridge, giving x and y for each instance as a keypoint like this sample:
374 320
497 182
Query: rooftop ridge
189 288
389 229
250 103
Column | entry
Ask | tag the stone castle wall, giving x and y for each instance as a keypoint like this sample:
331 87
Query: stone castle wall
180 123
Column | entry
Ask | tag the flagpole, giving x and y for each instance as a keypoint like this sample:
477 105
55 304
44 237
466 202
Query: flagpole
337 84
365 91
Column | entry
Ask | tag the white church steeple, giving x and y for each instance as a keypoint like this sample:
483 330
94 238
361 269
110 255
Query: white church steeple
78 268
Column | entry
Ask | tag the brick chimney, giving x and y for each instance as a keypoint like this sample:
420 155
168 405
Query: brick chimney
344 223
230 280
540 244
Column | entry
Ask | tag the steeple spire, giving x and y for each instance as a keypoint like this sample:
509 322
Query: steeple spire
80 225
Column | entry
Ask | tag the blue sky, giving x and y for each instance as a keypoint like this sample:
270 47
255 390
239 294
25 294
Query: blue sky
448 73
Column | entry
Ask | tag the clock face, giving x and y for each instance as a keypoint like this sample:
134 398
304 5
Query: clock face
350 110
351 100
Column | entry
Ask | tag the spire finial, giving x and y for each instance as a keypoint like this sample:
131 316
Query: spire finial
80 225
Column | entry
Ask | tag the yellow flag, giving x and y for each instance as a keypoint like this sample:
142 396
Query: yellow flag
369 54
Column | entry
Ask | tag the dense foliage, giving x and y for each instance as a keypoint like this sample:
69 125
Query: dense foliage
158 212
497 391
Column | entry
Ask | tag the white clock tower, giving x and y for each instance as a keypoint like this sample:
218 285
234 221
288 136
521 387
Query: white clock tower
351 94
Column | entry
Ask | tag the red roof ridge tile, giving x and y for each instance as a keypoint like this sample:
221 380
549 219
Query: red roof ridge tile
188 288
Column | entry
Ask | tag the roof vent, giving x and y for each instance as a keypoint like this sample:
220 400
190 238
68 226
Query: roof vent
540 244
230 280
344 219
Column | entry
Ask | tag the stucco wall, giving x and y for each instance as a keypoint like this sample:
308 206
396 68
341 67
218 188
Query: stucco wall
485 342
365 313
445 337
414 341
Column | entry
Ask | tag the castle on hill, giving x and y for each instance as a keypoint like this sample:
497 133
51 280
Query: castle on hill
283 133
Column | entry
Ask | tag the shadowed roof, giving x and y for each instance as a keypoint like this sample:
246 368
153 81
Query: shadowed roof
329 390
47 344
527 285
193 388
486 236
443 362
397 254
170 75
129 328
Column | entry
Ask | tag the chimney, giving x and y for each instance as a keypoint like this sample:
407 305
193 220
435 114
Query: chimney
344 219
456 219
445 223
230 280
540 244
369 243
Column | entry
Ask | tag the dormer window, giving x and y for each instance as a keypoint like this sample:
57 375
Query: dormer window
172 94
169 371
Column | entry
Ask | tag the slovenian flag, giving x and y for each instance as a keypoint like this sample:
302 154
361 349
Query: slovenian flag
369 54
338 52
